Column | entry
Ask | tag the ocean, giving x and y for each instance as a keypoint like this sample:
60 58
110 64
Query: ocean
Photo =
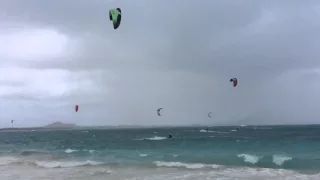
221 153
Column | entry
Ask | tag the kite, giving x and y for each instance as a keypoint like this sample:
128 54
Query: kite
158 111
115 17
235 81
76 108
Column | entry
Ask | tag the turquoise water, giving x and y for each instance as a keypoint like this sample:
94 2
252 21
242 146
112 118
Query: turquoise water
280 150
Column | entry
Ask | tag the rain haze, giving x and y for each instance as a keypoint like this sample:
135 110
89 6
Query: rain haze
178 55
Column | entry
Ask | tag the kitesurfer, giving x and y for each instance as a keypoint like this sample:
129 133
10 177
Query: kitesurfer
170 136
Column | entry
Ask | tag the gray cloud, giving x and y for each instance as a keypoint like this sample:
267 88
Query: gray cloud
179 56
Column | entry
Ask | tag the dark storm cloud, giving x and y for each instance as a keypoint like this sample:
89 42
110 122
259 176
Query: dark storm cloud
180 55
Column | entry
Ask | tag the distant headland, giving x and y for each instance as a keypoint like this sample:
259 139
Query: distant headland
63 126
52 126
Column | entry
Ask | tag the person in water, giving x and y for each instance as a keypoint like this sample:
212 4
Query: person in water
170 136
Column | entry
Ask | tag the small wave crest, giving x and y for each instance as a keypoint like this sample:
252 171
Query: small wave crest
152 138
70 151
30 152
4 161
252 159
100 172
57 164
143 155
280 159
203 130
8 160
185 165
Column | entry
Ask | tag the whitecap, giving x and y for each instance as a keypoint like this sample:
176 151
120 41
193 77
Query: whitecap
143 155
8 160
90 151
57 164
280 159
222 132
70 151
185 165
152 138
100 172
253 159
202 130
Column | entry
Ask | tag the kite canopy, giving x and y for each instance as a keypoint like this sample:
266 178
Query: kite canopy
76 108
235 81
209 114
158 111
115 17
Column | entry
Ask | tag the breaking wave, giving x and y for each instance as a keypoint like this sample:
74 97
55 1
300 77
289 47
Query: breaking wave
155 138
280 159
248 158
59 164
185 165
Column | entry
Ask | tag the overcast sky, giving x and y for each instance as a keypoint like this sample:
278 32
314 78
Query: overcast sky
178 55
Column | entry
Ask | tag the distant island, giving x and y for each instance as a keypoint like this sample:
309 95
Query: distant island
63 126
60 125
52 126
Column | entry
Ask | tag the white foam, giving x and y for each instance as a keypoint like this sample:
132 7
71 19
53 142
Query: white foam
70 151
253 159
143 155
152 138
185 165
100 172
202 130
90 151
57 164
222 132
280 159
260 173
7 160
